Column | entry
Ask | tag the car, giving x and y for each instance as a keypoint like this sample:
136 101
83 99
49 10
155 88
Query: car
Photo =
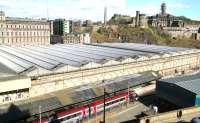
195 120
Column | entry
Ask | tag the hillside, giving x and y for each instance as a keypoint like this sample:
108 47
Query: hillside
150 35
190 21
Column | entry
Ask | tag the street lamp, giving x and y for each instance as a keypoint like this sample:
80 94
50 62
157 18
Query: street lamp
40 113
104 106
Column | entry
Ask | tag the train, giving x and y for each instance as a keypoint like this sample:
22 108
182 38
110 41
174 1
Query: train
76 114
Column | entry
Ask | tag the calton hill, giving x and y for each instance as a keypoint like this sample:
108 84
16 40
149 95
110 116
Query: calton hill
119 29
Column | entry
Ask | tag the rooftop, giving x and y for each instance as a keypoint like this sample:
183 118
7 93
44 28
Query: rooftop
188 82
17 20
51 59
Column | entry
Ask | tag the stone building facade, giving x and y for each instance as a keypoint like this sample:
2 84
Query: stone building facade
140 20
23 31
71 38
188 32
164 19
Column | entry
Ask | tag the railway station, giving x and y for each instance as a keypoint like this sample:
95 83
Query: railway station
61 66
60 76
81 95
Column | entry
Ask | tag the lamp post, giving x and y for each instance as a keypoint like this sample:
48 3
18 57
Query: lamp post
40 113
128 94
104 105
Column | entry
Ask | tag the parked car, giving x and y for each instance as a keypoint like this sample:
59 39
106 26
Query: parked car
195 120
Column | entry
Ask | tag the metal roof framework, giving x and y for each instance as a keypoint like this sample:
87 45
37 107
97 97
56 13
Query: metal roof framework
63 57
150 48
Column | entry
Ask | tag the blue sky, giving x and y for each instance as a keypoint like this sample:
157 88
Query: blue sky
93 9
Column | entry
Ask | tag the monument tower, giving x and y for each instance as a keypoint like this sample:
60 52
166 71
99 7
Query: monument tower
163 9
105 15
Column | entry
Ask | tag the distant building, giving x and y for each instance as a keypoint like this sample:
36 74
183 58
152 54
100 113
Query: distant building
85 38
164 19
2 16
187 31
77 23
173 25
182 91
62 27
98 23
51 27
132 23
141 20
121 19
137 18
88 23
73 38
63 32
56 39
23 31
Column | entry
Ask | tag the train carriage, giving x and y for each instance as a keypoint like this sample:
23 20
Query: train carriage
79 113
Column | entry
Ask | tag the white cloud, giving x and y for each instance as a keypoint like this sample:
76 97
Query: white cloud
77 9
83 9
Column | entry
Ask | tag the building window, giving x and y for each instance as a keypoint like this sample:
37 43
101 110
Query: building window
7 98
19 96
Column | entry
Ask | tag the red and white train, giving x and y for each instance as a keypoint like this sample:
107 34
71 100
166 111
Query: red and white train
79 113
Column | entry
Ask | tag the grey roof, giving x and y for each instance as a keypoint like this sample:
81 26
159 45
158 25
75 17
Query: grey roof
25 59
146 48
19 111
16 19
5 71
188 82
113 85
132 80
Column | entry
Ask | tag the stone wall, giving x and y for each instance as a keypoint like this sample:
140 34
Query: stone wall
165 65
172 116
